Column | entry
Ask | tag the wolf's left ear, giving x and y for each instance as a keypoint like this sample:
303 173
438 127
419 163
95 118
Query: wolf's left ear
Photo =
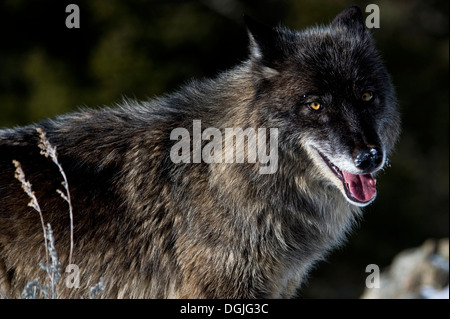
351 19
264 42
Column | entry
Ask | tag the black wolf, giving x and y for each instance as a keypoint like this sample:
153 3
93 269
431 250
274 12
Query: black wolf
158 229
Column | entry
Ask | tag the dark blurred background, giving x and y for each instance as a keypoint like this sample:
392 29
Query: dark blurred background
142 49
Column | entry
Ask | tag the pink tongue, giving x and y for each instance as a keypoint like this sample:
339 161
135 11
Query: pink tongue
362 187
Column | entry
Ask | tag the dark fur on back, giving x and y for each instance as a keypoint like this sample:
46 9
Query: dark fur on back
156 229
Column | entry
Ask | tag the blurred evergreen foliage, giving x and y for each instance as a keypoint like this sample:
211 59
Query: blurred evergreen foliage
143 48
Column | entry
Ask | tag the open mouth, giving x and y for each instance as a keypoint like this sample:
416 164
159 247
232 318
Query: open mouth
359 188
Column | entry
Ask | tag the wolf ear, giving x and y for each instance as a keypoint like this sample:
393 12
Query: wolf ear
264 42
351 19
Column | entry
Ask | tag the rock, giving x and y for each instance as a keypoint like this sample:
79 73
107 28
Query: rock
421 272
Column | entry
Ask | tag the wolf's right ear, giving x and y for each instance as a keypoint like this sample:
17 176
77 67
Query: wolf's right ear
350 19
264 46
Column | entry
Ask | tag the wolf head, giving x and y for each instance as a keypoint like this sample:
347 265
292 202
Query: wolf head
329 94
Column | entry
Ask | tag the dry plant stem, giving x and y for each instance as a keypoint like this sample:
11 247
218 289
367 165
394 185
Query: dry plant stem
26 185
48 150
52 269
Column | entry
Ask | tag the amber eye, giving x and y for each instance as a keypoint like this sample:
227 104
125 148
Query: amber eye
367 96
315 106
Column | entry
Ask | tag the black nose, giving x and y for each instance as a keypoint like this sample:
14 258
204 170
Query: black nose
368 158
